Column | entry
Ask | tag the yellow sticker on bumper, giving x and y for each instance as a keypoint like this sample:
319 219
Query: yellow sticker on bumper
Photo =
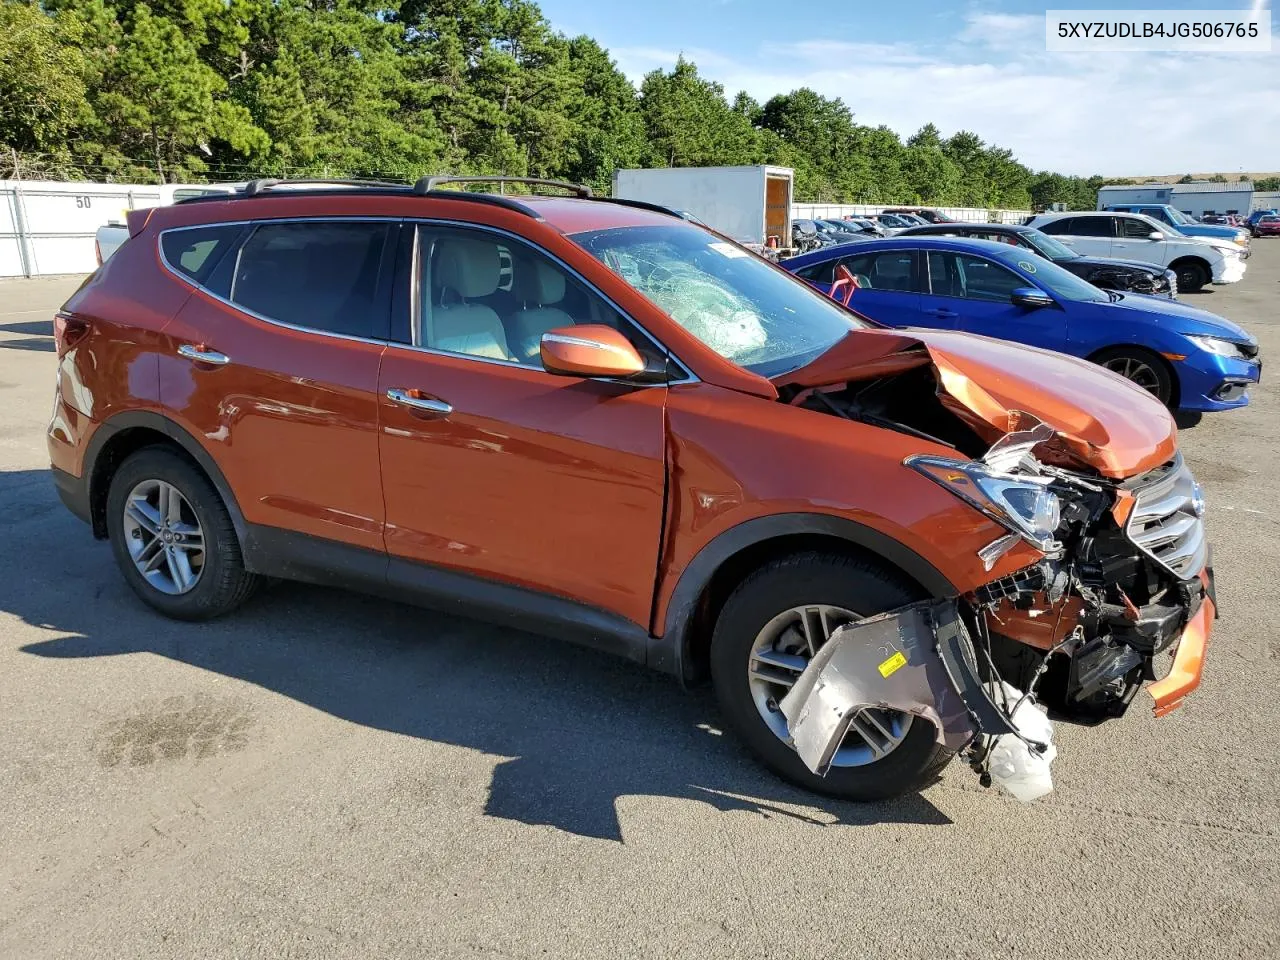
896 662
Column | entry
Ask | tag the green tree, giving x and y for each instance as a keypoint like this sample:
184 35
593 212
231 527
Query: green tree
1186 178
1267 184
1217 178
42 72
688 122
608 131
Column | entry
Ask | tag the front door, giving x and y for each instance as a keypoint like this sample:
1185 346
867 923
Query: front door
495 468
978 290
1134 242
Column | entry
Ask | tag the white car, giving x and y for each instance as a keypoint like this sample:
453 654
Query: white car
1134 236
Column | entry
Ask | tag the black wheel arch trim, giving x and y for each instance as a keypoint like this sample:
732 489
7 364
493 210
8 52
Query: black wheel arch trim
149 420
669 652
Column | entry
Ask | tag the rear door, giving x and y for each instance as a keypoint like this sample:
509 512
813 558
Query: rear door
888 286
1134 242
273 364
1090 236
496 469
977 290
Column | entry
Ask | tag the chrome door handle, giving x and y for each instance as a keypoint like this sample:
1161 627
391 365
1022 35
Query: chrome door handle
427 404
201 354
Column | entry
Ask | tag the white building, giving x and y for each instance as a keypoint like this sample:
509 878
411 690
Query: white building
1194 199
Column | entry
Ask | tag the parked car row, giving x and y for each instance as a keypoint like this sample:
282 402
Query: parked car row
601 420
1197 261
1179 222
1106 273
1188 359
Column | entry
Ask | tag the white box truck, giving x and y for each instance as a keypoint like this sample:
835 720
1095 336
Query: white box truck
749 204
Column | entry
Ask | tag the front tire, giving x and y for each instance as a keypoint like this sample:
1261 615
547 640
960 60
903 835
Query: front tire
173 537
900 755
1192 275
1141 367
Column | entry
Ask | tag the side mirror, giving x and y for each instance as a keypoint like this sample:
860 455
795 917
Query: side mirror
589 350
1029 298
1155 235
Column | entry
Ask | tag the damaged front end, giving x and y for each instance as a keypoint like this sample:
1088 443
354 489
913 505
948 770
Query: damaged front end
1125 578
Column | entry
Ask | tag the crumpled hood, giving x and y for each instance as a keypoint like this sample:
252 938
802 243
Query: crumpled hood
1101 419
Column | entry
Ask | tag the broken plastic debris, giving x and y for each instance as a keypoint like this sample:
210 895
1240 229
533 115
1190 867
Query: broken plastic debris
886 662
1015 767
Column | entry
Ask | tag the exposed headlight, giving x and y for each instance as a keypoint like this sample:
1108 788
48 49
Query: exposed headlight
1024 505
1218 346
1243 240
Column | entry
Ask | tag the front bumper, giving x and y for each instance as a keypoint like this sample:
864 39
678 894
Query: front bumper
1188 657
1232 269
1211 383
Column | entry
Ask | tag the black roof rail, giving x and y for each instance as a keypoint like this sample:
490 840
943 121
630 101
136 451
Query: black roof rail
645 205
263 184
429 184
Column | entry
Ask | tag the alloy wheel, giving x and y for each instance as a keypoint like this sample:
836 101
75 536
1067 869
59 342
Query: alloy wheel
164 537
781 651
1137 371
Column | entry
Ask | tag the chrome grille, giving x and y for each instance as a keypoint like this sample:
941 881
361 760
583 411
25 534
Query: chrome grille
1166 521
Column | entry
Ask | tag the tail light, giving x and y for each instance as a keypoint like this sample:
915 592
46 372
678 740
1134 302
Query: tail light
68 331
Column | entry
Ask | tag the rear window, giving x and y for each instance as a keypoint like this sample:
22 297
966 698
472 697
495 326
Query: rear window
194 252
320 275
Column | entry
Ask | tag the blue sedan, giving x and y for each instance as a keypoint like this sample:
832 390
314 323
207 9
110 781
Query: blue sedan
1192 360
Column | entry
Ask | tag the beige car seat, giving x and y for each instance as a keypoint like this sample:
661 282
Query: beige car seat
539 287
465 269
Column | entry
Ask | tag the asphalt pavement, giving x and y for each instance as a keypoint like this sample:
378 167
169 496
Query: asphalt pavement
328 775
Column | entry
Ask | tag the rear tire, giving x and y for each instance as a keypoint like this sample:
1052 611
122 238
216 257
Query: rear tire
1192 275
214 580
854 584
1141 367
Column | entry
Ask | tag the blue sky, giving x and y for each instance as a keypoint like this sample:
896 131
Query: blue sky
979 65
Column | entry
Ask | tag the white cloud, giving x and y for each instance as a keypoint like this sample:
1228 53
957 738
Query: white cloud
1117 114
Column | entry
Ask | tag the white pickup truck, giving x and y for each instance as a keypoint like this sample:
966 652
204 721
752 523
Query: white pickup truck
110 235
1134 236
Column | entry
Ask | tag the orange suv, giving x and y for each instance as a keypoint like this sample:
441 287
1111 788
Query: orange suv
594 419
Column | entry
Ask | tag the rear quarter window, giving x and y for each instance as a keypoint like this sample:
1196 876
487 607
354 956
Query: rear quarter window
194 252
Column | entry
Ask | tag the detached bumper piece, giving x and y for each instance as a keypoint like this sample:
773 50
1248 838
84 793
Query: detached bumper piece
917 660
1188 659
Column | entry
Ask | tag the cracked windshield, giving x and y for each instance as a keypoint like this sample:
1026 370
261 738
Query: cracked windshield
732 301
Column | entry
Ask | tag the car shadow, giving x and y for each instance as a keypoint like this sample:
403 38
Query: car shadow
33 328
575 730
29 343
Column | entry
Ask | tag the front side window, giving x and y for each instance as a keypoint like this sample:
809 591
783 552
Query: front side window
483 295
740 306
1133 229
317 274
970 277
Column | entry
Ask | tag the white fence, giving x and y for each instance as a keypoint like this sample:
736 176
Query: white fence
836 211
47 227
